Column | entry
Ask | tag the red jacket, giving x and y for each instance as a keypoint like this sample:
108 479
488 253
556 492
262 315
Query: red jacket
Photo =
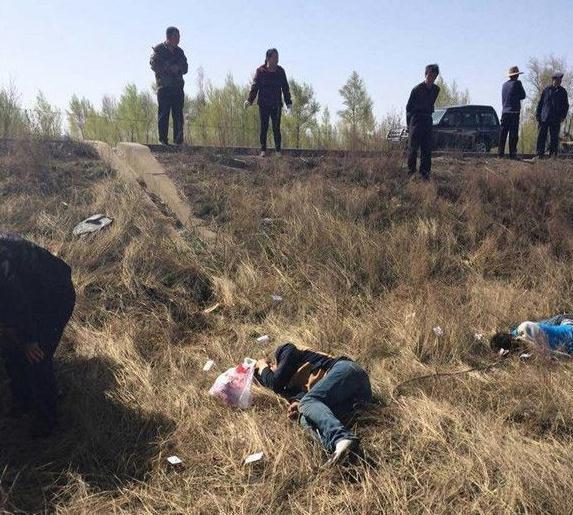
270 86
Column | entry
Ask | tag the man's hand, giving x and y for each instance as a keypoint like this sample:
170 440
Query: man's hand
246 104
33 353
289 108
261 364
293 411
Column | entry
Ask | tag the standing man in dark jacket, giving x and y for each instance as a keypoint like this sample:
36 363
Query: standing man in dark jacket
270 84
419 120
169 63
323 392
37 299
512 93
551 112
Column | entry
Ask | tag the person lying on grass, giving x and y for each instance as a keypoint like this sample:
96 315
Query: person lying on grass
322 391
553 334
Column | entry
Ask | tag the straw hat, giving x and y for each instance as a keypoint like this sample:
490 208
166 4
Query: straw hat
513 71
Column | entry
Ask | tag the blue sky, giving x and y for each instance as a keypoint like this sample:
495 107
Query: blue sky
94 48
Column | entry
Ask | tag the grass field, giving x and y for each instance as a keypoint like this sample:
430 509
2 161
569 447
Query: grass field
368 263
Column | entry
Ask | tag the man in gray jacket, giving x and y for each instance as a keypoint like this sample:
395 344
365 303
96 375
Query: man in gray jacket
169 63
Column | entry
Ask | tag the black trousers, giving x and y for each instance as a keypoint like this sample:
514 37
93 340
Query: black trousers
509 126
420 137
170 100
33 385
273 113
553 129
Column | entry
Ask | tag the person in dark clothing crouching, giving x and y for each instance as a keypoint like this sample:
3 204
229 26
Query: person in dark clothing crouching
169 63
419 111
512 93
322 391
37 299
270 84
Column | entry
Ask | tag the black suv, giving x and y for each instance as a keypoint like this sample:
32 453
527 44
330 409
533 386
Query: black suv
468 127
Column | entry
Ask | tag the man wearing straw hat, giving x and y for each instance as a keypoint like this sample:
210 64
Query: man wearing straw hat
551 112
512 93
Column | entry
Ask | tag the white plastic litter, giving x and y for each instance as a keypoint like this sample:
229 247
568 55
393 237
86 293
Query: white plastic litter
264 339
438 331
526 355
174 460
92 224
479 337
276 298
208 365
233 387
503 352
253 458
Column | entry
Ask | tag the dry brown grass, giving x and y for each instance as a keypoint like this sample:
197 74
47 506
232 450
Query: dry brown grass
367 264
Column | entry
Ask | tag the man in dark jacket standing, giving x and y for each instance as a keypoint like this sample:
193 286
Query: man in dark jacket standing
169 63
512 93
419 120
551 111
270 84
37 299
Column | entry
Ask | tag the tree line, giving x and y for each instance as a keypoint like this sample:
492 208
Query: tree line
215 116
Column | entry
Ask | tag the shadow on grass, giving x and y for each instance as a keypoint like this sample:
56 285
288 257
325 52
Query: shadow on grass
105 443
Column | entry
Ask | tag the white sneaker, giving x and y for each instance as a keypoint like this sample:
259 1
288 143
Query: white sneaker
263 154
341 452
279 153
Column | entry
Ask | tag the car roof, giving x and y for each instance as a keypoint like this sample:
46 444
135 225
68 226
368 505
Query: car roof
465 106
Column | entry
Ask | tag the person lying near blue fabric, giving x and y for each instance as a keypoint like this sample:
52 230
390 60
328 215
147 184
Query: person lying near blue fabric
322 390
554 334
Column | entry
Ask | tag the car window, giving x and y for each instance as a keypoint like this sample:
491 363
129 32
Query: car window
470 119
437 116
488 119
451 119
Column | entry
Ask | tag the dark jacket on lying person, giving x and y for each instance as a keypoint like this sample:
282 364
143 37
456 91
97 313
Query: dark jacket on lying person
36 291
297 371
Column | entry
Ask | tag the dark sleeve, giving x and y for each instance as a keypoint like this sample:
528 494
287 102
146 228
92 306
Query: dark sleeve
410 106
278 380
286 90
437 94
158 65
183 65
254 87
521 92
565 104
539 106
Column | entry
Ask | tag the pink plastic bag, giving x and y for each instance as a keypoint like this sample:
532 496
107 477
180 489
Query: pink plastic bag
233 387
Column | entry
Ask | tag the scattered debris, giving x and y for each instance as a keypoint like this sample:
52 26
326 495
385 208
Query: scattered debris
253 458
267 220
264 339
212 308
92 224
249 362
479 337
503 352
174 460
208 366
525 355
276 298
438 331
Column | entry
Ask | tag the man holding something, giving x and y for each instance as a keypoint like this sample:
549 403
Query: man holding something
169 63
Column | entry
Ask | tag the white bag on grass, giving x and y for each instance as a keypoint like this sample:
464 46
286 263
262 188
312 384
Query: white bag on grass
233 387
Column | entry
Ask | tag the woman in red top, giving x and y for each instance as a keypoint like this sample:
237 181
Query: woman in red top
270 84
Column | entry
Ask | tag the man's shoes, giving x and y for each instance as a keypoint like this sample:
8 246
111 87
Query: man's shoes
164 144
341 452
263 153
278 153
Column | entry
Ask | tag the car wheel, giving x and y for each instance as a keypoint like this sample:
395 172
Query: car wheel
482 146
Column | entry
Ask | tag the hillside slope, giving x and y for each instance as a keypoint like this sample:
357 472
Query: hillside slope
367 263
